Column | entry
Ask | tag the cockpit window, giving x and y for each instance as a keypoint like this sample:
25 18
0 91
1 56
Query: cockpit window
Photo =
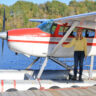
53 28
46 26
63 30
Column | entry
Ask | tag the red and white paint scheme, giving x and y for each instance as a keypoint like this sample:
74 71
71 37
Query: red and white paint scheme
47 38
36 42
46 41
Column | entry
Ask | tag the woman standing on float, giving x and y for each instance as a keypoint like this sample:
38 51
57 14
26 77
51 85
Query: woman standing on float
80 51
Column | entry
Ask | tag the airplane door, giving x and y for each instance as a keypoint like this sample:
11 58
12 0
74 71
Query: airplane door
53 41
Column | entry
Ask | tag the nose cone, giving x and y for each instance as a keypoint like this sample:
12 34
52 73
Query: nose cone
3 35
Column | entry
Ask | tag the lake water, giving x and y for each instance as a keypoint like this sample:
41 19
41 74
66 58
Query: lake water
11 61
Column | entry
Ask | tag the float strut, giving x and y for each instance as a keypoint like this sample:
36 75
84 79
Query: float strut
42 68
91 67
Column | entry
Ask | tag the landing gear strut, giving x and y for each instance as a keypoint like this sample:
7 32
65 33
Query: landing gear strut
67 68
32 63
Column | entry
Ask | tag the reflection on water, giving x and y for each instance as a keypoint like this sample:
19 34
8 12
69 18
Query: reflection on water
11 61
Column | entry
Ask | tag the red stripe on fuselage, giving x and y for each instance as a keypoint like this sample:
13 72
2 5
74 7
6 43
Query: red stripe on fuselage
46 42
34 32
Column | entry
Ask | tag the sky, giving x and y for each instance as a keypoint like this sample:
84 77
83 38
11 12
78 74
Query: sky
11 2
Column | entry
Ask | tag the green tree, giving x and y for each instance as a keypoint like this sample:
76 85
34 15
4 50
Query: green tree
18 14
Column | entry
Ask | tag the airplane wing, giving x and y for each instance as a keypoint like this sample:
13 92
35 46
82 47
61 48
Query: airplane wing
91 17
81 17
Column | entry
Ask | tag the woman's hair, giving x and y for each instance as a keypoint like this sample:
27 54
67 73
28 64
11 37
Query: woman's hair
77 37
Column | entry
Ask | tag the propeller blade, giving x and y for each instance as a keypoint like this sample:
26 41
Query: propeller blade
2 45
4 21
3 31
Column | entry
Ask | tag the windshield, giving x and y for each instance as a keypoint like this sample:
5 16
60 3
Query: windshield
46 26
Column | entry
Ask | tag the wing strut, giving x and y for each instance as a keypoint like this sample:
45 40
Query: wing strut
75 23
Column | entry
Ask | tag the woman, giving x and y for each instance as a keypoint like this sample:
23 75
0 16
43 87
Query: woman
80 51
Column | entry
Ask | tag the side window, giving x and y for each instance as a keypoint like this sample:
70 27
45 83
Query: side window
84 33
90 33
53 28
74 33
62 30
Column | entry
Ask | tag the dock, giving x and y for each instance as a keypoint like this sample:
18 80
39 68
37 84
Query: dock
82 91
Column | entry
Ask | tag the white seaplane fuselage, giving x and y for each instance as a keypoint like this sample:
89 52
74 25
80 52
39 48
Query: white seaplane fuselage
38 42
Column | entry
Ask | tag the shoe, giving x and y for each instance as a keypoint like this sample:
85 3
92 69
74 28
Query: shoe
74 78
80 79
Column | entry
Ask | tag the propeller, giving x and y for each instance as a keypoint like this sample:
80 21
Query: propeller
2 45
4 21
3 31
3 34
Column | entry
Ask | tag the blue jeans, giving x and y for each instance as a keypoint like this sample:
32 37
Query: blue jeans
78 61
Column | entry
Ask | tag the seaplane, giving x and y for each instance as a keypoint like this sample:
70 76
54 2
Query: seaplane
47 38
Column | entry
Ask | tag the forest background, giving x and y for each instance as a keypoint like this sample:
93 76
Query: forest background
18 15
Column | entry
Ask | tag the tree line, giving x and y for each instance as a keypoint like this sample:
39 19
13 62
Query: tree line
17 15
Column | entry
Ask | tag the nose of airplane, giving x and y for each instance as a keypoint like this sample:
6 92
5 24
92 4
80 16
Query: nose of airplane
3 35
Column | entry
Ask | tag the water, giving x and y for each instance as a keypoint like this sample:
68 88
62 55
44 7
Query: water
11 61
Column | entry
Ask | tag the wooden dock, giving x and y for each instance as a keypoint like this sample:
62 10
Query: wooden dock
80 91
